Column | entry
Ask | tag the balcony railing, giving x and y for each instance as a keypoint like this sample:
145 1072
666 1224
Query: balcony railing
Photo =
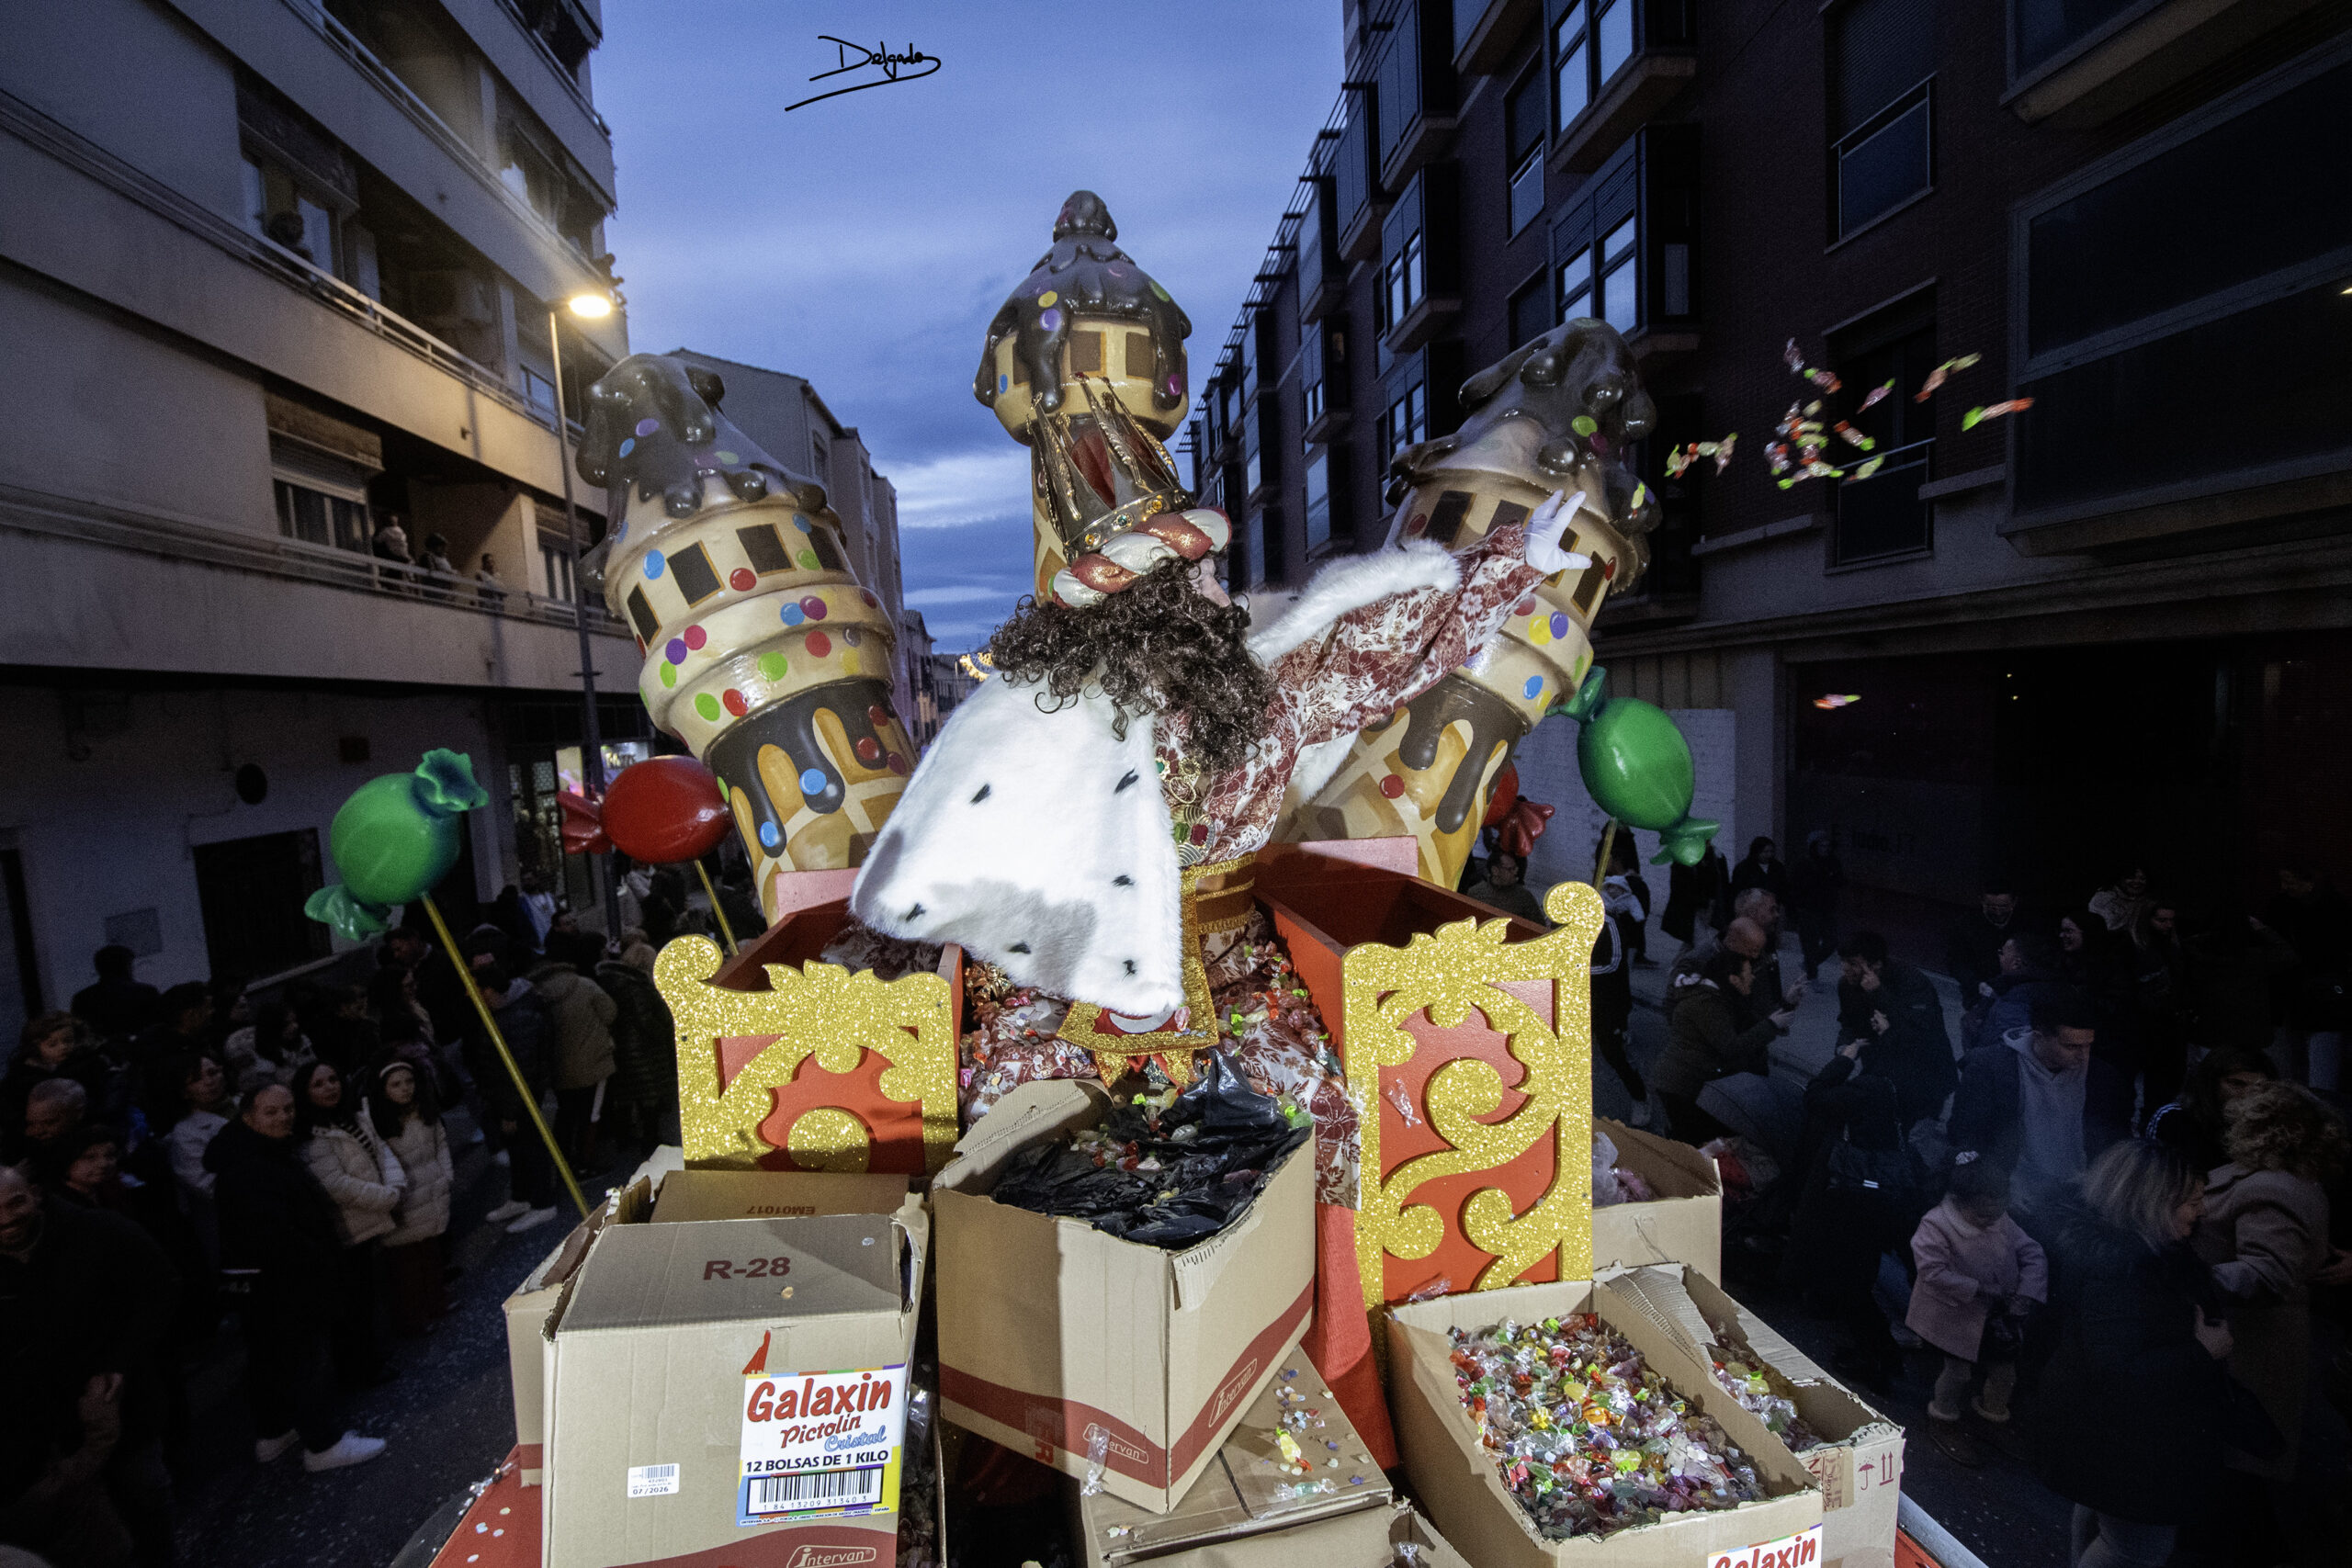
70 147
1882 517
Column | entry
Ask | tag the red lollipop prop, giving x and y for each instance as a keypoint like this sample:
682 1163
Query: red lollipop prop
1505 791
665 810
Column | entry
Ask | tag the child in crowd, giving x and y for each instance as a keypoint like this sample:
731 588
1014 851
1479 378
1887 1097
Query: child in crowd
1979 1276
403 1112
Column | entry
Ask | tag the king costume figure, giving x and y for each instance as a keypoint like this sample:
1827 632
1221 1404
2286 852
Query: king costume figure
1087 822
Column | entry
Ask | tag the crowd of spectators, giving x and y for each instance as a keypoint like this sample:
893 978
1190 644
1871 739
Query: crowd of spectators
285 1161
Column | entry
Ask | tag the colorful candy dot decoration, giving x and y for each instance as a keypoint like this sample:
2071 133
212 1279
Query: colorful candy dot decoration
735 703
1392 786
1559 623
851 664
1534 684
655 564
729 457
773 666
1051 320
815 606
669 675
806 560
1585 1436
769 836
675 650
898 765
648 426
852 636
1539 632
871 602
696 637
1583 424
792 615
812 781
742 579
877 715
707 705
819 644
1047 298
868 750
628 446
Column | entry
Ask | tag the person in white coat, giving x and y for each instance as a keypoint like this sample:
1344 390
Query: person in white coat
401 1109
367 1183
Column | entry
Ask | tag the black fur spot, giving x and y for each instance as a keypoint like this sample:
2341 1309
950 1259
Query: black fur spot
1018 947
1131 966
913 914
1124 782
1123 881
981 796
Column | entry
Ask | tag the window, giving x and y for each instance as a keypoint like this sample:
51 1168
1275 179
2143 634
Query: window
1402 281
1318 502
2040 30
1882 516
1614 261
316 518
1591 43
1523 139
538 390
1881 63
823 456
1530 313
555 561
1313 405
1406 421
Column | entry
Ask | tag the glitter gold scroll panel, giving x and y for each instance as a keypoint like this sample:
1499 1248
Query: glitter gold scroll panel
1470 1062
825 1071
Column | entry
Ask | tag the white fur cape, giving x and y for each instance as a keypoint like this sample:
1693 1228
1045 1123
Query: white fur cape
1039 839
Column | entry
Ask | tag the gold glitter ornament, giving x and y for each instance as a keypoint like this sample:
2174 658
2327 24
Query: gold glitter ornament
819 1011
1461 967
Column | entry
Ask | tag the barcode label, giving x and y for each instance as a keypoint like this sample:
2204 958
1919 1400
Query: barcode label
815 1489
653 1479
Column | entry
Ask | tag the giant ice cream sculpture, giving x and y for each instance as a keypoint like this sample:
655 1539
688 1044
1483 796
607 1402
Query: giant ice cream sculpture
1556 415
763 652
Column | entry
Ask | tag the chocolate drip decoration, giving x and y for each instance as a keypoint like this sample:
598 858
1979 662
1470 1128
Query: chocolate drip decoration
792 727
653 423
1085 274
1492 724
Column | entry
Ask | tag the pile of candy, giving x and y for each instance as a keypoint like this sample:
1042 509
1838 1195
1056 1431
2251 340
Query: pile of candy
1743 1377
1276 1035
1009 1039
1587 1437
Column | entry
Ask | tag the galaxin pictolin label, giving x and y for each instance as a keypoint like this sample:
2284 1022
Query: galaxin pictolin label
820 1445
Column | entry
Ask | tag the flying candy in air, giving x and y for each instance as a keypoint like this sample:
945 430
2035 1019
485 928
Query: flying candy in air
1975 417
393 839
1936 376
1636 767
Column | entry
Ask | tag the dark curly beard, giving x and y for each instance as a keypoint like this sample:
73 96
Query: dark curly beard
1159 647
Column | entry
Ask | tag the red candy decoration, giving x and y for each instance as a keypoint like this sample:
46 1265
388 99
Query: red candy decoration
1392 786
735 702
880 716
695 636
819 644
869 751
898 763
665 810
1505 791
742 579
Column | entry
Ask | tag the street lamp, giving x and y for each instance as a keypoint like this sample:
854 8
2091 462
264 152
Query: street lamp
589 305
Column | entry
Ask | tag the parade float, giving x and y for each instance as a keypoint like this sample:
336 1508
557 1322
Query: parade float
1124 1081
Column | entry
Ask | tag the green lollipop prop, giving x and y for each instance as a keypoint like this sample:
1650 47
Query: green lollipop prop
1636 766
392 841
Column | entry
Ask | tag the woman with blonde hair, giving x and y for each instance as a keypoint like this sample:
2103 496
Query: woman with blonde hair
2137 1346
2264 1234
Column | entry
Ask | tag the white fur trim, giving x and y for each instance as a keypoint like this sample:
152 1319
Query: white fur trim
1037 860
1351 583
1316 763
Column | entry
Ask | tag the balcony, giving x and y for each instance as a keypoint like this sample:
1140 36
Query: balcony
1355 182
1415 73
1322 274
2078 63
1642 86
1485 31
1884 518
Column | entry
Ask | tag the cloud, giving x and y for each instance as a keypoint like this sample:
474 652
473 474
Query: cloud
952 490
933 598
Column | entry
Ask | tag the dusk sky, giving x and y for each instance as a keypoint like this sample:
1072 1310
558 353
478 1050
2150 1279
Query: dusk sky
865 241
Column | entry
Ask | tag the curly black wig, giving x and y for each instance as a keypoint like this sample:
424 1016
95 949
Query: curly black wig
1161 646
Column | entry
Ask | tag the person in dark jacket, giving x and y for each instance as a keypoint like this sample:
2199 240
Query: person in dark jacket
86 1301
1895 1011
1846 1216
280 1251
2136 1349
1763 868
645 1055
1711 1034
118 1006
1693 893
2043 1107
57 1045
2029 970
524 1023
2198 1122
1816 884
1972 943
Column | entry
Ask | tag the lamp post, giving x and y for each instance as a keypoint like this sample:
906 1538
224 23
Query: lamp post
591 307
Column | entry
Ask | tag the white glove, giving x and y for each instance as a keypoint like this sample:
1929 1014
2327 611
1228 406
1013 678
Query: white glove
1544 528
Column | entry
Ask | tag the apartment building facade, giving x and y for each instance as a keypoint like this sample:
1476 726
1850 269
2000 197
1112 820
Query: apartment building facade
2109 629
274 278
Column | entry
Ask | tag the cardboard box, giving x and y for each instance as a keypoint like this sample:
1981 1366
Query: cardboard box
1683 1225
1250 1491
1860 1466
1366 1537
1455 1477
527 1315
678 1361
1053 1335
